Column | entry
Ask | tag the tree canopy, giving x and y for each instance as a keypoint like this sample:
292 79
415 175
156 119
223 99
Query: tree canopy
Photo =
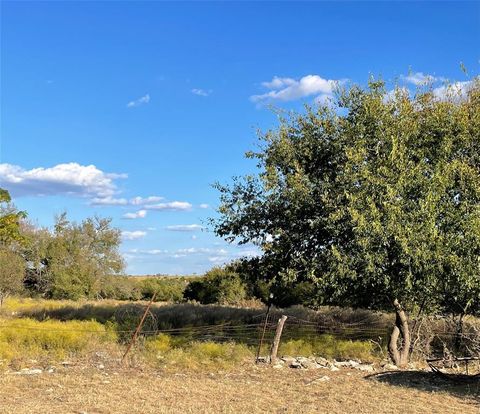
372 198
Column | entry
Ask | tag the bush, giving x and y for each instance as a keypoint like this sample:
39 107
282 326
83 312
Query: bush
12 272
219 285
120 288
168 289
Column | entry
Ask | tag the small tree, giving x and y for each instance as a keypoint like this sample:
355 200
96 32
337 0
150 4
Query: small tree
12 272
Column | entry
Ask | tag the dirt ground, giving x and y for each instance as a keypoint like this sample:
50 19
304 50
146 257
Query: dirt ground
250 389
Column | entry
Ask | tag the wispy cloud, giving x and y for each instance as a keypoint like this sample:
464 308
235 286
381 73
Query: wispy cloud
140 101
133 235
135 215
62 179
185 227
289 89
204 206
109 201
420 78
136 201
201 92
170 206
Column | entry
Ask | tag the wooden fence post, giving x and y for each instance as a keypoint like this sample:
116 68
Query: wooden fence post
276 340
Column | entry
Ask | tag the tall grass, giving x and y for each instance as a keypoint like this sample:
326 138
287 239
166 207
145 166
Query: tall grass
28 338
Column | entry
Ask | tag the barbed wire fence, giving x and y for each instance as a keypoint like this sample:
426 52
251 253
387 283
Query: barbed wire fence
426 335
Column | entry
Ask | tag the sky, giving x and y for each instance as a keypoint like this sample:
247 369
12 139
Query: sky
132 110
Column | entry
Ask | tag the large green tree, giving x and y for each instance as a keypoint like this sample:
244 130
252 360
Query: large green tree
75 259
10 219
12 242
375 200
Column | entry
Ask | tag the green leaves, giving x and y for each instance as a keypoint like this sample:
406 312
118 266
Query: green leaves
382 202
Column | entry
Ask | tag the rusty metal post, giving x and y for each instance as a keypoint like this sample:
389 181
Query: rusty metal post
139 327
276 340
263 334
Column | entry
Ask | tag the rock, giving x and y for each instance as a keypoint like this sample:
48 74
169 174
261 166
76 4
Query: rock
29 371
308 363
334 368
288 360
277 366
322 361
66 363
365 367
346 364
341 364
325 378
101 366
390 367
295 364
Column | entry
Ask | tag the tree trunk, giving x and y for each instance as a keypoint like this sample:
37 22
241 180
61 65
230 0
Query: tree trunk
400 331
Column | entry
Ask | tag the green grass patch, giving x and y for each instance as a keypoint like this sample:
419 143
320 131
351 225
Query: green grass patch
28 338
169 351
328 346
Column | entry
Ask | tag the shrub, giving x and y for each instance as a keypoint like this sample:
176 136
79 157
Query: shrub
168 289
219 285
12 272
120 288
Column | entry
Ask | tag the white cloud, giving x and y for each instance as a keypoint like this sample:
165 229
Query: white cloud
137 214
62 179
204 206
201 92
156 251
289 89
399 92
203 250
140 101
171 206
278 83
455 91
136 201
133 235
109 201
185 227
216 259
420 78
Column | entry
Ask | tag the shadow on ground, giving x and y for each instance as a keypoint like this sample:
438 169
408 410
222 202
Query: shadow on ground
458 385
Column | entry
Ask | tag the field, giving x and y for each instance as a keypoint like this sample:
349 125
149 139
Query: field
248 389
200 359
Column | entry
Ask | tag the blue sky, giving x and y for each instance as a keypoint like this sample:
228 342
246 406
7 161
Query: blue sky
104 104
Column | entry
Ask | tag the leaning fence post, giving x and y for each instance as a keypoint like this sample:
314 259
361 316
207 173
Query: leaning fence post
262 337
139 327
276 340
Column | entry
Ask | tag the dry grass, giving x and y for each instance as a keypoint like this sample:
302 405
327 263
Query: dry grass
249 389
